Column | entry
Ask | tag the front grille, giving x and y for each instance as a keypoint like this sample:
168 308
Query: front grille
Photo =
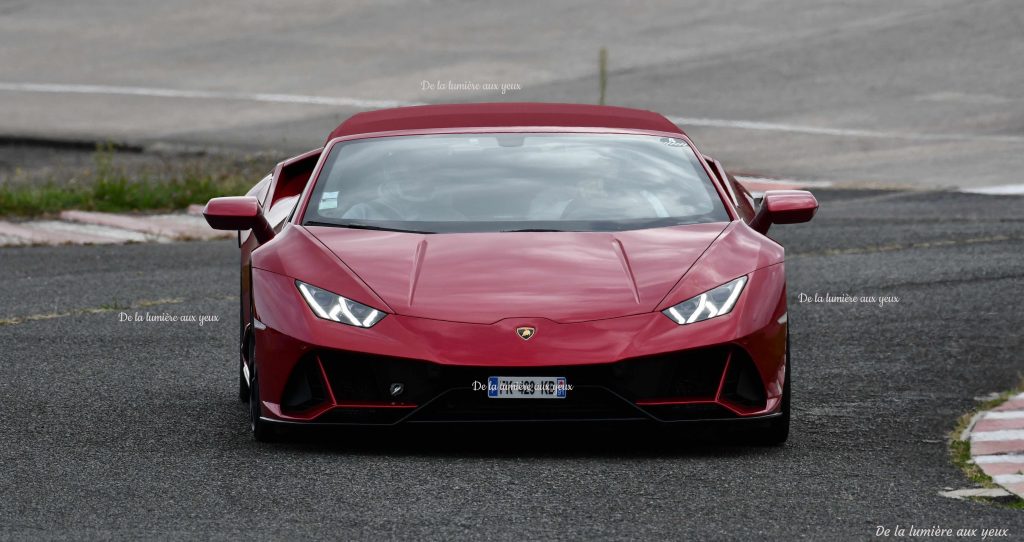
605 391
362 377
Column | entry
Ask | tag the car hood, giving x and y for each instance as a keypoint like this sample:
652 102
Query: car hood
486 277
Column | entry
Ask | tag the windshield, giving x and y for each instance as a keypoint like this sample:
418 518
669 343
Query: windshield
513 182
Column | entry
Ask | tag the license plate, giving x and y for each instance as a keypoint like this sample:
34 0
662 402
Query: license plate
526 387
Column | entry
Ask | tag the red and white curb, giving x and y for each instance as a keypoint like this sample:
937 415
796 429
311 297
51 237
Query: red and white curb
997 444
89 228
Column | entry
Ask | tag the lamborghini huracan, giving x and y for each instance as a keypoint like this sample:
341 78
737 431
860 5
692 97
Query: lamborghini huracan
511 262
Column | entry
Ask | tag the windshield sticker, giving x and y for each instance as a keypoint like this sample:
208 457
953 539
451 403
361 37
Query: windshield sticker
673 142
329 201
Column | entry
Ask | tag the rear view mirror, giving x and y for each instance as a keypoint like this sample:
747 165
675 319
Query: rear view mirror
784 207
238 213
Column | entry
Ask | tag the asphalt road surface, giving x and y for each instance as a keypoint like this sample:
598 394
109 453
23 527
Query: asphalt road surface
918 93
132 430
117 429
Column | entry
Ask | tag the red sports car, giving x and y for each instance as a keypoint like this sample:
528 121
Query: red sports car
511 262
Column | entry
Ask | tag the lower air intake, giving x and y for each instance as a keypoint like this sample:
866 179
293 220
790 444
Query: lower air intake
743 385
305 387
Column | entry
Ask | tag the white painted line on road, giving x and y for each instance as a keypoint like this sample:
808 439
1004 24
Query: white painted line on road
1000 190
841 132
1005 415
1003 458
110 90
362 103
990 436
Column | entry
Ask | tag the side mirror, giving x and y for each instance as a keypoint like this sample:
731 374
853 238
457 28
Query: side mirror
238 213
784 207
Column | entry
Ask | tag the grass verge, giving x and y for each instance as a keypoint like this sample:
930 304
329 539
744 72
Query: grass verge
111 187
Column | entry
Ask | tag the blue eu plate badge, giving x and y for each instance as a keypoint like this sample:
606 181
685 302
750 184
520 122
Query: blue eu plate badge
526 387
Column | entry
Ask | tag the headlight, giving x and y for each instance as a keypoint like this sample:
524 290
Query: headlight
331 306
712 303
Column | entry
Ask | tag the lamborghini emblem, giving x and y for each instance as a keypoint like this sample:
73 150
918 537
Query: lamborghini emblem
526 333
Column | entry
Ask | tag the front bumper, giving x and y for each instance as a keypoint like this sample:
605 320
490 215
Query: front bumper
641 367
352 388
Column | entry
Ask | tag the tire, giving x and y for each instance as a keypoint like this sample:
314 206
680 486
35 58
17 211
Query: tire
262 431
776 432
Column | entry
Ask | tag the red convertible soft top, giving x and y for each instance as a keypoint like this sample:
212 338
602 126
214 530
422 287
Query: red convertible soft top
480 115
